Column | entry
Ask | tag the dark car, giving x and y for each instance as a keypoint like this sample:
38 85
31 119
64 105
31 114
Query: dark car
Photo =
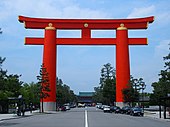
62 108
114 109
126 110
118 110
136 111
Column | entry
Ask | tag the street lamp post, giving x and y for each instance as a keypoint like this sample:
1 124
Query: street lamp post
143 87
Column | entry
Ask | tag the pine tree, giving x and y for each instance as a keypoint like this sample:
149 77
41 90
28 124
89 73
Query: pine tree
44 85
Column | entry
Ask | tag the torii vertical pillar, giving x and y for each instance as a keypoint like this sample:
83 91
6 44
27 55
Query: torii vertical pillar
49 60
122 63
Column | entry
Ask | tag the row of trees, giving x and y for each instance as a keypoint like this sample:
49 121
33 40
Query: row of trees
64 93
134 92
106 92
11 86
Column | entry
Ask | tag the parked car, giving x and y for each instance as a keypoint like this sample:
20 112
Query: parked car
81 105
106 108
72 105
98 105
114 108
136 111
102 107
126 110
63 108
67 106
118 110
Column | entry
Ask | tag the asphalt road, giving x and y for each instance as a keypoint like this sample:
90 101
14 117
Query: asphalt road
83 117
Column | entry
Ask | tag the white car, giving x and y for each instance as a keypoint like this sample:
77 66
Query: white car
98 105
67 106
106 108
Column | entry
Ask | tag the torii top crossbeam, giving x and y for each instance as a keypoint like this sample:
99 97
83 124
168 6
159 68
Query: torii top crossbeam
41 23
86 25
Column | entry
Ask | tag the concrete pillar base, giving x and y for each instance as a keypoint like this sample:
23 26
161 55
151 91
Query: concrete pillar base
121 104
48 106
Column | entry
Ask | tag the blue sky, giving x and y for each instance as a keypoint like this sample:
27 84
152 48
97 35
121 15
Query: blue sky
79 66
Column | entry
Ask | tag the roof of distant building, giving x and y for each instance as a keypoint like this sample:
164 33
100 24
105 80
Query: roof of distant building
86 94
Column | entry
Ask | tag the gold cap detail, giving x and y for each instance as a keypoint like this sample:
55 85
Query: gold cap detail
122 27
50 27
24 24
147 24
86 25
24 41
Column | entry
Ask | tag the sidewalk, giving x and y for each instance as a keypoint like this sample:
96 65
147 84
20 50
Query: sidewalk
27 114
14 116
155 115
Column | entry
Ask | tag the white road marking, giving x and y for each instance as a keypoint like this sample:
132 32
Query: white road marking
86 119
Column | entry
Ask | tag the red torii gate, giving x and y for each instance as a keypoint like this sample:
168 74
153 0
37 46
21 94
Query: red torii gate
86 25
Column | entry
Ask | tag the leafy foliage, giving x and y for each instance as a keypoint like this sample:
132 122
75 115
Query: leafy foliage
105 93
162 87
131 93
30 93
64 94
9 84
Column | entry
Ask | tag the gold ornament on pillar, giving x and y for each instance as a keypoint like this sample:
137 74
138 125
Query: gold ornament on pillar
122 27
50 27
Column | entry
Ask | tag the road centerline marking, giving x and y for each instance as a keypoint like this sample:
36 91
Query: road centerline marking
86 119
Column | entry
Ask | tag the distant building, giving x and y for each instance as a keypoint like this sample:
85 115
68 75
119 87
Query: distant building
85 98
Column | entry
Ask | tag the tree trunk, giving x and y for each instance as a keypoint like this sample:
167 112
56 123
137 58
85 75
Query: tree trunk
42 106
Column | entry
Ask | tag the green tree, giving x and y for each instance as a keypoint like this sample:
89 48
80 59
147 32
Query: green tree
162 87
64 93
131 93
10 86
98 95
13 84
43 85
2 76
30 93
34 93
106 92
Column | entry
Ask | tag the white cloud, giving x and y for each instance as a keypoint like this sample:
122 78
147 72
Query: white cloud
163 18
50 8
142 12
162 49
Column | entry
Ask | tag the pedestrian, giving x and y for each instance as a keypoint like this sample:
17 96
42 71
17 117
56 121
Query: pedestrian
23 109
168 110
18 111
30 108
